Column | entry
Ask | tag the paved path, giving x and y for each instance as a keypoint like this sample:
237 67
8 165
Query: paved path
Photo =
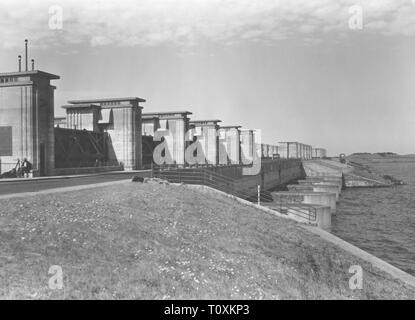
28 185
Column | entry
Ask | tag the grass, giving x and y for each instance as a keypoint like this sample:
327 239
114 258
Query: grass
151 241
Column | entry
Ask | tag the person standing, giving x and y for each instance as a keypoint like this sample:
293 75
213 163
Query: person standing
26 168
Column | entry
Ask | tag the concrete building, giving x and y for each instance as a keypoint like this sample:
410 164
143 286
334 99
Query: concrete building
247 146
269 151
283 149
120 118
294 150
310 152
60 122
264 151
205 140
27 120
318 153
149 125
170 129
229 145
275 151
306 154
85 116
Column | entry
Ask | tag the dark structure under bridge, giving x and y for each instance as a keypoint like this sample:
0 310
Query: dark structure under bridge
81 148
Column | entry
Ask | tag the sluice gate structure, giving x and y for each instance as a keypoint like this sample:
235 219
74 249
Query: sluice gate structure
110 134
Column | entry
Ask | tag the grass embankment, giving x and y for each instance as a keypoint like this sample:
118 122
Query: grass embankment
153 241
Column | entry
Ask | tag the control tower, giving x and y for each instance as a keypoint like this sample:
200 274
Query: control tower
27 118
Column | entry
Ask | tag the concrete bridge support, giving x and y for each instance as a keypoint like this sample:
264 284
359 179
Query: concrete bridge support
320 198
338 184
323 187
323 216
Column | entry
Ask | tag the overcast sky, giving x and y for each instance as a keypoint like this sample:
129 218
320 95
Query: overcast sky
295 69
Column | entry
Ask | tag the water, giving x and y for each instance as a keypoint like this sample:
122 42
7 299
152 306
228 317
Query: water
381 221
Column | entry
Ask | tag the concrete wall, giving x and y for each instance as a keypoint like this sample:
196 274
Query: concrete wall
149 126
83 117
85 170
274 173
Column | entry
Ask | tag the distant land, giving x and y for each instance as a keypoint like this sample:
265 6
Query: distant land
366 157
382 154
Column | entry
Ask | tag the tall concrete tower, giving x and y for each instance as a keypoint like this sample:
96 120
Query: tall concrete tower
120 118
26 119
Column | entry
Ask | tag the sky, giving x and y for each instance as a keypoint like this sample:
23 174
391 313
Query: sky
336 74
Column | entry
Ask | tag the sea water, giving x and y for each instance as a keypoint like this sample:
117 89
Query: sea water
381 221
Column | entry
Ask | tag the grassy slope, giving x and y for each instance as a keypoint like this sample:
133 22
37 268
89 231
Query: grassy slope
153 241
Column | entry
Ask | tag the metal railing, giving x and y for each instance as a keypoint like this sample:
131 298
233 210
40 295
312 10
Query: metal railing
234 186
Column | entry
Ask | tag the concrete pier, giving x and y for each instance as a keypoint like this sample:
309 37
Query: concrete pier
295 197
323 187
300 188
322 182
323 216
325 179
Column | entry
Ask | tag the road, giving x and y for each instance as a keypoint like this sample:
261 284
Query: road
28 185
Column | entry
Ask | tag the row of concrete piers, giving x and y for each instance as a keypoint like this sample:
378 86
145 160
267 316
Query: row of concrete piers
318 193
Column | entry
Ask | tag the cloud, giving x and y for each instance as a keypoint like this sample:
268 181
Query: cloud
192 22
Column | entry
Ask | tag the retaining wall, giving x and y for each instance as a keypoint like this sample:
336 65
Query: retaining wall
85 170
273 173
